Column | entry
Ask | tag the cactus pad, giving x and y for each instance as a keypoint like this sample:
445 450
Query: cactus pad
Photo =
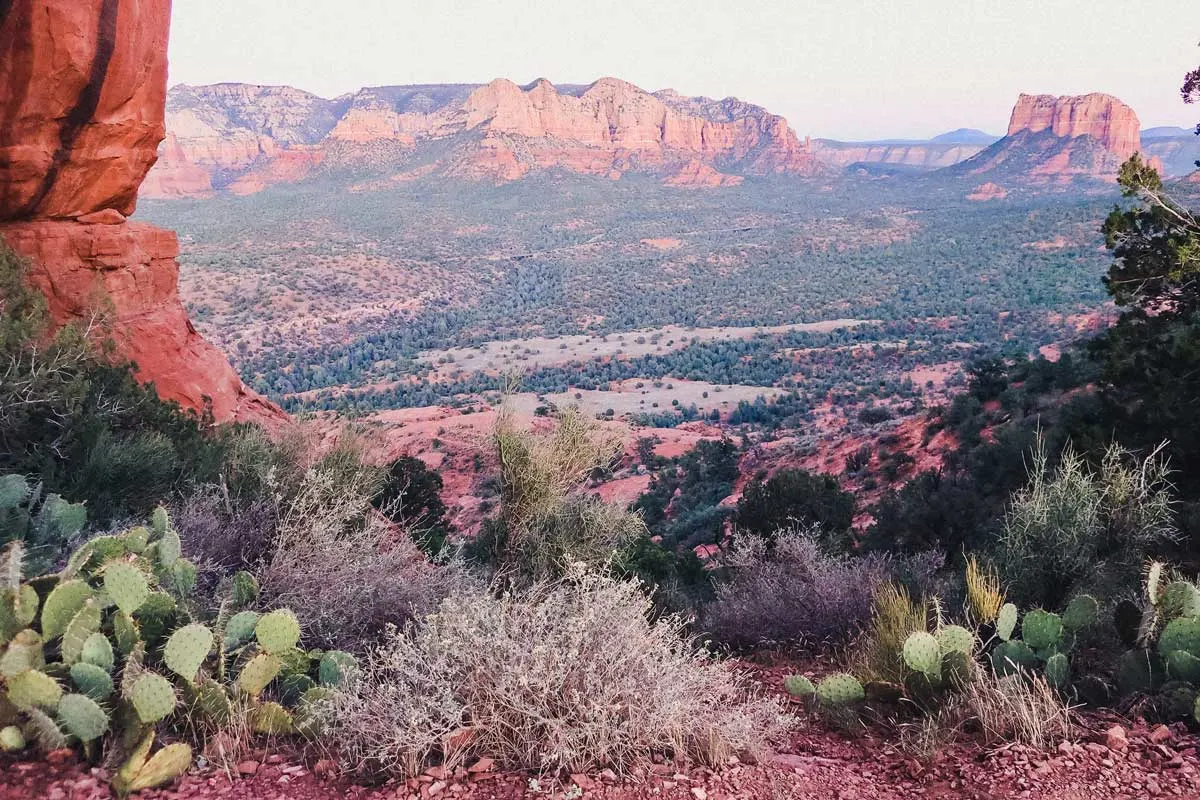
34 689
11 740
126 585
956 669
93 681
169 549
186 650
18 610
796 685
1041 629
125 631
24 652
153 697
337 667
245 588
278 631
98 650
271 719
1080 613
1180 634
160 521
240 629
156 617
61 607
258 673
1179 599
82 717
14 490
292 687
212 701
165 766
840 689
1006 621
1183 666
955 639
1058 671
1011 657
921 653
45 731
81 628
1136 672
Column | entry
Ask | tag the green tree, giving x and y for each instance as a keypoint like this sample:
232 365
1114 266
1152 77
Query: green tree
791 497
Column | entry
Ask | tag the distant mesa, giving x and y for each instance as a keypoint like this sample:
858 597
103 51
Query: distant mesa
965 136
988 191
242 138
1058 139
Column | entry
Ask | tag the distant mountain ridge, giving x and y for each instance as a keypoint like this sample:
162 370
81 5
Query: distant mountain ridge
243 138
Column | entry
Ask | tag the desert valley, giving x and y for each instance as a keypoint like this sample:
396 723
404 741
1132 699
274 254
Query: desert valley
551 439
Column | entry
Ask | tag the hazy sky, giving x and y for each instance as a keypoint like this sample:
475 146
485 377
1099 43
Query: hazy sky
849 69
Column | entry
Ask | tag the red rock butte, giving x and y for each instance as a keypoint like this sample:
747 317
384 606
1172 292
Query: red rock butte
1100 116
82 97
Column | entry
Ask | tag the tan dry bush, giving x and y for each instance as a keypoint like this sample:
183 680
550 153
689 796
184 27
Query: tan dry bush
342 567
569 674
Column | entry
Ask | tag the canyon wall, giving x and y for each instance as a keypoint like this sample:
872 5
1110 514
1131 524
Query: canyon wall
82 92
234 137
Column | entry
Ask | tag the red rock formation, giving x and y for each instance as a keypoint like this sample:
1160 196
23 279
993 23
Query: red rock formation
1100 116
697 173
82 87
988 191
504 131
1057 139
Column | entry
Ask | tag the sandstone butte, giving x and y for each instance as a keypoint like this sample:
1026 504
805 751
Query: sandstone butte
1055 139
261 135
82 95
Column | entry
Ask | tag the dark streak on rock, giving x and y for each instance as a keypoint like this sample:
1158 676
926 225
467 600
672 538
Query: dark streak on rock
85 106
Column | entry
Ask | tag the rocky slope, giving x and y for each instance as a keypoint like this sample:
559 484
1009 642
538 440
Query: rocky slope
242 138
1177 148
1056 139
82 88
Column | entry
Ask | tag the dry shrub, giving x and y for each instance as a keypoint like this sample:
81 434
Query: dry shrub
984 596
568 674
792 592
342 567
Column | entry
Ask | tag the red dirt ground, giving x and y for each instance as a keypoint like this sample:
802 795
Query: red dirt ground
816 763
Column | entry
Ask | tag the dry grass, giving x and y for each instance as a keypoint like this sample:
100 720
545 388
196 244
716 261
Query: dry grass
895 615
1017 708
570 674
984 596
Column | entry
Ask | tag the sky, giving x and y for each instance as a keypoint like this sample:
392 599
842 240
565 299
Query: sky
842 69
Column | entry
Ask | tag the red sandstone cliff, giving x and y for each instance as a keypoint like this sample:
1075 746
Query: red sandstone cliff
499 131
1055 139
82 91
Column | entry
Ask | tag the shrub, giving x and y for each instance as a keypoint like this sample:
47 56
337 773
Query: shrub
895 615
411 497
1016 708
1076 529
345 570
794 497
568 674
545 522
793 592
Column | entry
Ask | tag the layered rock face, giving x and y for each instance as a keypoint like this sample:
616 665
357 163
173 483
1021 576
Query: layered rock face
925 155
1055 139
82 89
1100 116
499 131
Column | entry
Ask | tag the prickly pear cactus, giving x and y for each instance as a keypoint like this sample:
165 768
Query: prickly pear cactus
1183 666
245 589
82 717
1058 671
957 669
796 685
1013 657
153 697
271 719
840 689
1041 629
1006 621
141 771
1137 672
92 681
187 649
922 653
1080 613
11 739
258 673
1179 599
278 631
32 689
955 638
240 629
1183 634
126 585
337 668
